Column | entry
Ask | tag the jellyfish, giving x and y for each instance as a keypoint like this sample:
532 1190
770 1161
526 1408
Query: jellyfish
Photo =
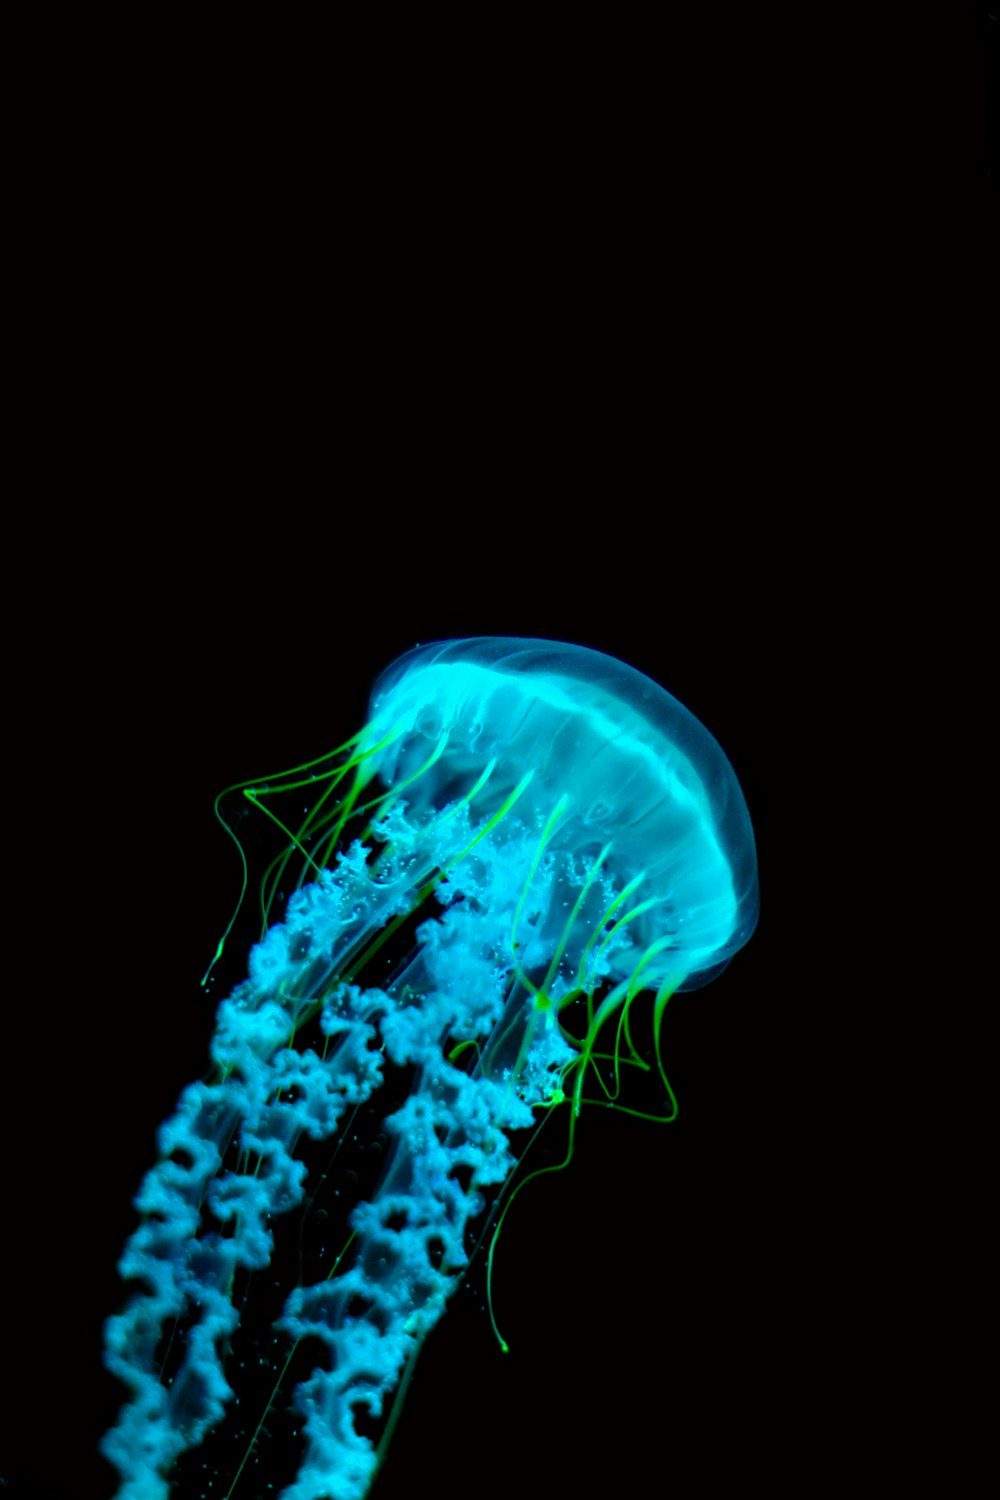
525 840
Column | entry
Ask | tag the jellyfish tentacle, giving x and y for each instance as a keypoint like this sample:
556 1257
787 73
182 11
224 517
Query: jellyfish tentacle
410 1252
189 1265
411 1237
202 1224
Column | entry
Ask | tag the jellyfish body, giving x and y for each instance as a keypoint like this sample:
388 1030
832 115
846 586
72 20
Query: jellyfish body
571 837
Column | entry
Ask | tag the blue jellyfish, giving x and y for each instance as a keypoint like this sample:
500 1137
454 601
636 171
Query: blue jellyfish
524 839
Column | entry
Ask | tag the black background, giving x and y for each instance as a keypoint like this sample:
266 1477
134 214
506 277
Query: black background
647 390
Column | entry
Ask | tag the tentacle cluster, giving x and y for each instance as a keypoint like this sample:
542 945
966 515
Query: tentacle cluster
473 1008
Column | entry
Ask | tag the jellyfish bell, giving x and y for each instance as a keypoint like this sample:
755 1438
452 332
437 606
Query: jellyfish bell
524 838
629 767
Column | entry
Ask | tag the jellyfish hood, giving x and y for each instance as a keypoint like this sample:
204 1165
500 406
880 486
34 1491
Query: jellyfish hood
634 771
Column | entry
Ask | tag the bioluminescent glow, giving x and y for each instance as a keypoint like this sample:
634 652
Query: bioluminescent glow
524 840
